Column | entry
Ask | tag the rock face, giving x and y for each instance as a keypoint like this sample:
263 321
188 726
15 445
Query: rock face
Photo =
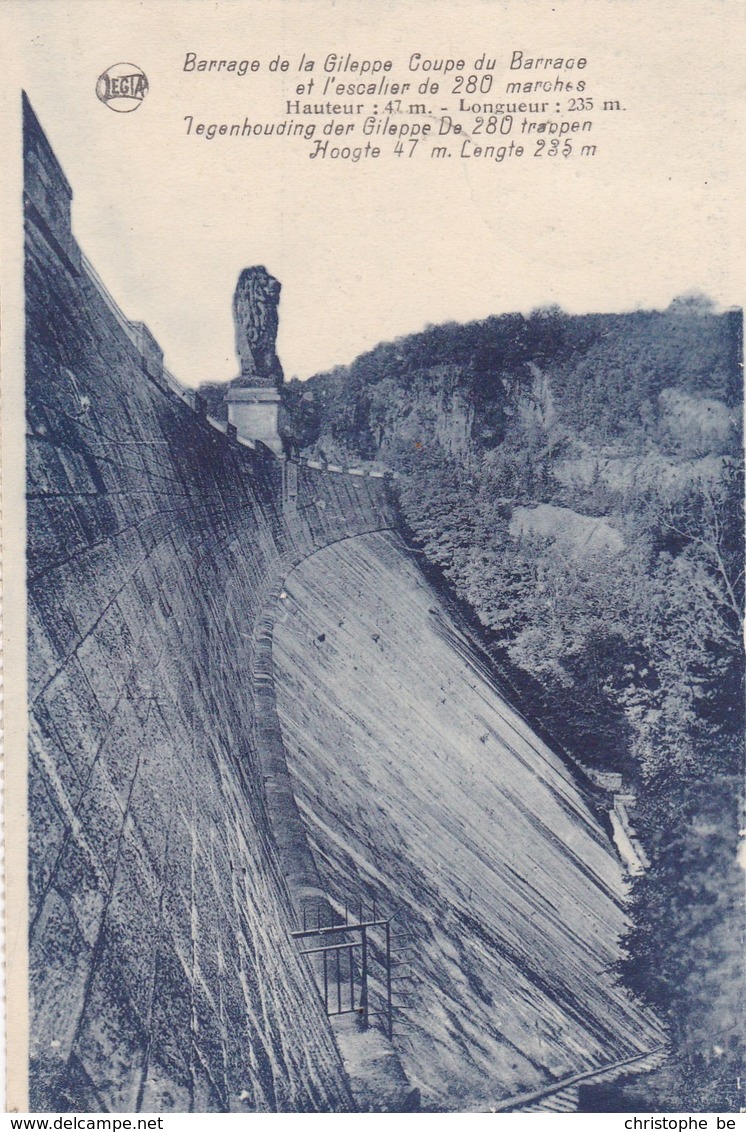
255 304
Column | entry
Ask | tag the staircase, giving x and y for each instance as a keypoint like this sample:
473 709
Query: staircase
563 1096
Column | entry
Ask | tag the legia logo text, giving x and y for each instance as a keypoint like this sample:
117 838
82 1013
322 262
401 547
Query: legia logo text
122 87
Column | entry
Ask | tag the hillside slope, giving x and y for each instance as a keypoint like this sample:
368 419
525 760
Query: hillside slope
578 482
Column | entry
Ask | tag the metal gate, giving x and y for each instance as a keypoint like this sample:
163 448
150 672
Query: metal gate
352 958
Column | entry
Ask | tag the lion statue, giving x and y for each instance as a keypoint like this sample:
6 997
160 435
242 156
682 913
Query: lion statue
256 321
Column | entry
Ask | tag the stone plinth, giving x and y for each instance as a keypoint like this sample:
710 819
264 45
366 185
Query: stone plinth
254 413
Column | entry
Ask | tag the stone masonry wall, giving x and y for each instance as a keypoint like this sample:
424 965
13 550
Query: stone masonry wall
161 972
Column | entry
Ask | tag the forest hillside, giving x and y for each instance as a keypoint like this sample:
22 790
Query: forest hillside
576 483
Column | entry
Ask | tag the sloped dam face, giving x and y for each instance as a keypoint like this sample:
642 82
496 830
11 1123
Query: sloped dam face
169 861
421 786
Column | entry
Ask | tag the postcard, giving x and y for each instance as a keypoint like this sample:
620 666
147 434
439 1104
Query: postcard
373 556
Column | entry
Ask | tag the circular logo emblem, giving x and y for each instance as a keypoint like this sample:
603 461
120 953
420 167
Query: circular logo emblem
122 87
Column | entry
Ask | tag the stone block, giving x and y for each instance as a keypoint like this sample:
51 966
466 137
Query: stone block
165 1090
54 533
150 351
254 412
171 1018
209 1038
80 589
45 747
92 661
47 830
150 813
45 183
100 818
121 749
207 1089
112 1041
80 882
45 473
74 1091
78 720
59 965
77 472
116 642
43 659
130 934
96 518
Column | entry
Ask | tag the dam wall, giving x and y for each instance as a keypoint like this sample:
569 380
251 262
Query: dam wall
421 787
162 975
247 706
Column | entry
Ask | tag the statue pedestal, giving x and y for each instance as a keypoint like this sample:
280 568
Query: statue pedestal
254 413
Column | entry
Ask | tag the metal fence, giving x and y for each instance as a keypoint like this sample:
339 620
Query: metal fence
353 953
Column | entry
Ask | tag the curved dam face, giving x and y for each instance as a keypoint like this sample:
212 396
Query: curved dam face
162 975
421 786
171 853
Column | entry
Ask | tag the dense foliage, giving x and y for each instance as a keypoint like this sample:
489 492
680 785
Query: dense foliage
578 482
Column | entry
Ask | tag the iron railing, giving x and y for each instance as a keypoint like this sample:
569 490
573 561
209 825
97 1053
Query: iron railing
351 953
